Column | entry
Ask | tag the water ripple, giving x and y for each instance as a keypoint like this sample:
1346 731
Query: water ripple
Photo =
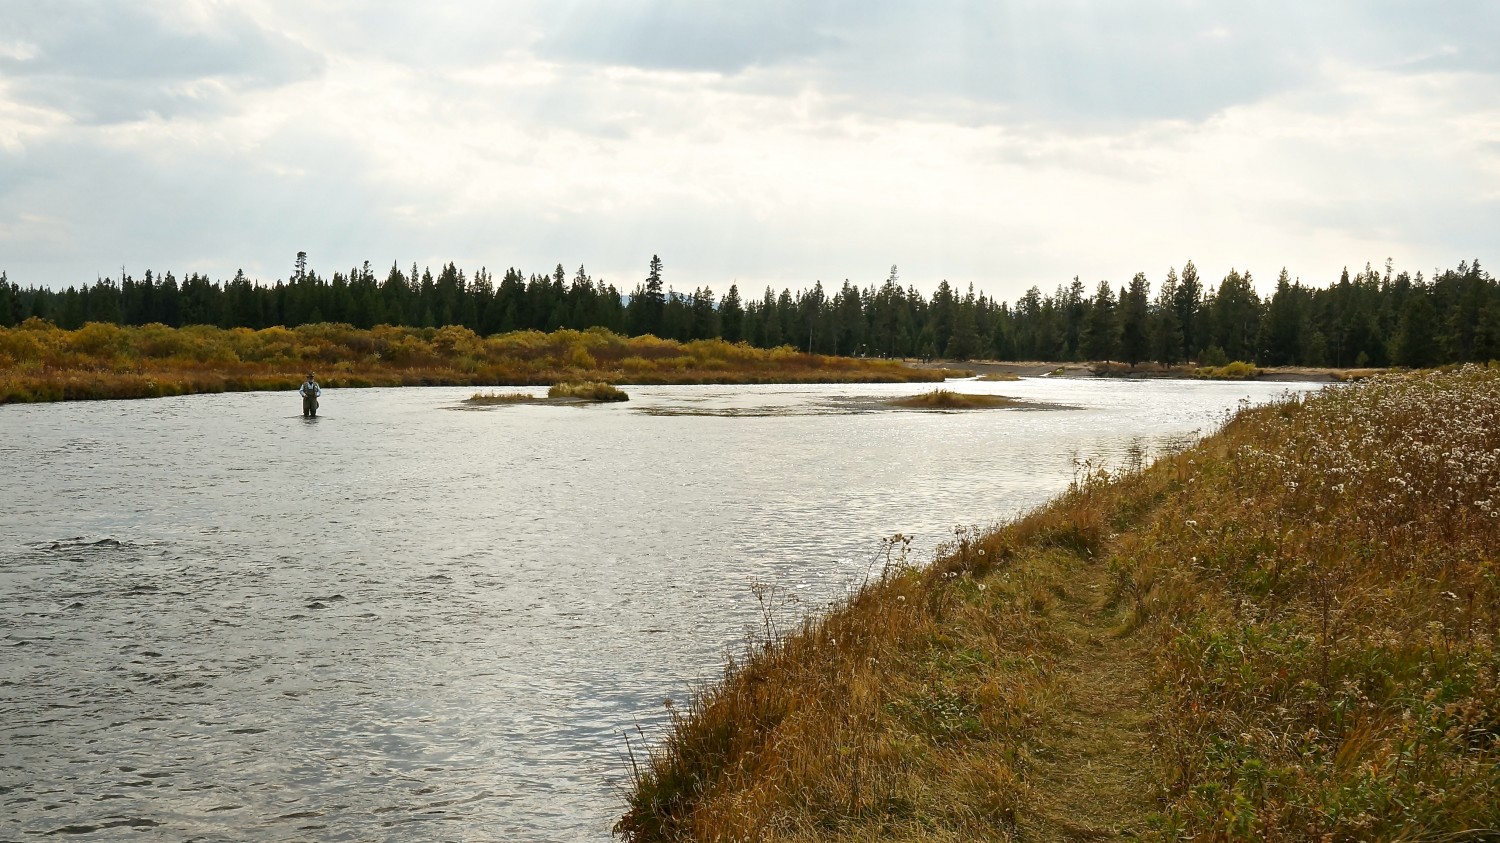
403 623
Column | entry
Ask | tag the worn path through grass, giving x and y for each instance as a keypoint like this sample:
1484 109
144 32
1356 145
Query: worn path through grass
1285 633
1093 772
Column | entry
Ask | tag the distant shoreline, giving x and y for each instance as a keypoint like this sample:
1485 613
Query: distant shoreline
100 361
1041 369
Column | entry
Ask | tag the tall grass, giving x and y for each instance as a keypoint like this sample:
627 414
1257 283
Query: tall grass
947 399
1313 592
588 391
39 362
1323 579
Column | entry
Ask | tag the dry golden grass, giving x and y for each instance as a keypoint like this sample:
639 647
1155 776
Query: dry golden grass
1000 376
947 399
1237 370
587 391
1285 633
39 362
1323 580
499 398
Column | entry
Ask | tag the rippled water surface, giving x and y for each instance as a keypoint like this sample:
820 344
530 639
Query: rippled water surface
411 620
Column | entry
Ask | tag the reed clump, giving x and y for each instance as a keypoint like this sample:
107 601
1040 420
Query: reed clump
1236 370
498 398
588 391
947 399
1000 376
40 362
1287 632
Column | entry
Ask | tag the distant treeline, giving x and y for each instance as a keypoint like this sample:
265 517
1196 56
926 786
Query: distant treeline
1372 318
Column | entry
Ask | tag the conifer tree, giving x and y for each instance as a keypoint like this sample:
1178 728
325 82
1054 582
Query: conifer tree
1416 343
941 315
1135 321
1236 316
648 304
1167 327
1189 304
732 315
964 342
1281 332
1101 336
10 302
1073 307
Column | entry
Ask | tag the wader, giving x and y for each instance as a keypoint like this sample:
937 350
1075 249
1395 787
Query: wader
309 405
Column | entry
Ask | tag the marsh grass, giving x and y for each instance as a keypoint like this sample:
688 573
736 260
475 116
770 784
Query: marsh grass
587 391
1111 368
1287 632
1237 370
40 362
1000 376
947 399
499 398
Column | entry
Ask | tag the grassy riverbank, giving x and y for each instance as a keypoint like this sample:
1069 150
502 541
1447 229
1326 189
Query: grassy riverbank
39 362
1287 632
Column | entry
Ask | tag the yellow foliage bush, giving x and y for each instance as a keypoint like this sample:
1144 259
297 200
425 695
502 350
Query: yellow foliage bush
100 340
109 361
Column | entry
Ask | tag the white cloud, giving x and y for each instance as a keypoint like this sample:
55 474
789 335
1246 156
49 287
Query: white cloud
18 51
1000 144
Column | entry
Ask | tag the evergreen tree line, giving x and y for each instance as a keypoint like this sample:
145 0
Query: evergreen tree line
1370 319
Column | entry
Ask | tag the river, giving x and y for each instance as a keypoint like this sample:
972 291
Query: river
409 619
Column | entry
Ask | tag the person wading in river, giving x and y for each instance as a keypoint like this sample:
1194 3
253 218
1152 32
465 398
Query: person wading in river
310 392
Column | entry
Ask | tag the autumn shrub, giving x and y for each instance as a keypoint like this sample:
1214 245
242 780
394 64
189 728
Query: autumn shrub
101 340
456 341
523 345
19 345
38 353
578 357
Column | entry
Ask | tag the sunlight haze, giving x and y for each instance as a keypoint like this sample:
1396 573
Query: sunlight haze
996 144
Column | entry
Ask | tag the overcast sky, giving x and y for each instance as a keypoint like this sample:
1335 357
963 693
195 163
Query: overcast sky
1003 143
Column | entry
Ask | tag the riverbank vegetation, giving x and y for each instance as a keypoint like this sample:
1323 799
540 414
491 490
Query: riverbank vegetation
1366 318
1287 632
40 362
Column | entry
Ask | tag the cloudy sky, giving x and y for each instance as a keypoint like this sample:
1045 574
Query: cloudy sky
1002 143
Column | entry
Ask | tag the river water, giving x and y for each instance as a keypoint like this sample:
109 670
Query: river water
413 620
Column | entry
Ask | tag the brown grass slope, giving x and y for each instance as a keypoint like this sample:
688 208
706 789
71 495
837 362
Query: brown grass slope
1287 632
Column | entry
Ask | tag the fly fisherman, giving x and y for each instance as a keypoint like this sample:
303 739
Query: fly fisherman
310 392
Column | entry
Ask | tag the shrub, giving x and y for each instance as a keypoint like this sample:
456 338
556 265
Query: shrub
1239 370
103 340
